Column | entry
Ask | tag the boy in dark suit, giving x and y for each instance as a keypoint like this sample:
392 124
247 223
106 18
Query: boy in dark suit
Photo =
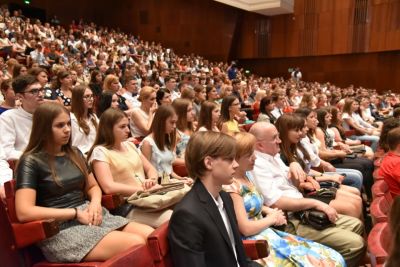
203 229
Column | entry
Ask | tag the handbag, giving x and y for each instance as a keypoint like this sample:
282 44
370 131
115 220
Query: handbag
160 198
323 194
123 210
360 149
329 184
315 218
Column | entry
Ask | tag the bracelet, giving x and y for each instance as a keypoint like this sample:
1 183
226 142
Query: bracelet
76 214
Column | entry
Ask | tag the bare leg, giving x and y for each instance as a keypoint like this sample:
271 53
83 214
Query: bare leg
118 241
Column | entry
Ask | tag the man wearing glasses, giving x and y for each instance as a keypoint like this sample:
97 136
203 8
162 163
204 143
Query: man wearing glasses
16 124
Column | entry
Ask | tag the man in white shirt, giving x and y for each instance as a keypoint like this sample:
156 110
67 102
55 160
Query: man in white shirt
6 174
131 91
279 100
274 181
16 124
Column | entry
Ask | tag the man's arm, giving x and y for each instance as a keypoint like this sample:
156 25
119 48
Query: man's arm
8 138
186 240
298 204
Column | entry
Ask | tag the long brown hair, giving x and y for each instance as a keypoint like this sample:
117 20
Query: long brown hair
161 138
77 107
284 124
181 105
105 131
205 116
42 134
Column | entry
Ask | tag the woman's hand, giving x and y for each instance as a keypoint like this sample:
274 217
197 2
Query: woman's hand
307 186
327 167
83 216
314 182
148 184
335 177
297 173
278 217
153 108
95 213
329 211
187 180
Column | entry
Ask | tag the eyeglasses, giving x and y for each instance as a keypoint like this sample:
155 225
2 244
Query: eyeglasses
87 97
35 91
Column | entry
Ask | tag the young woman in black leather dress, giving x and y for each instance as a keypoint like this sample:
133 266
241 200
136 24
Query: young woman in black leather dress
53 182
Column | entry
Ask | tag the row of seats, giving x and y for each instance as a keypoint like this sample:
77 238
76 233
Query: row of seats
379 238
17 249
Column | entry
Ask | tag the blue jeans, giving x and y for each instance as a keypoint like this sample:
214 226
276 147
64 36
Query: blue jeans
354 178
373 138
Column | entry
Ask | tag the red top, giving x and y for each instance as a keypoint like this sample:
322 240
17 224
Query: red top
390 171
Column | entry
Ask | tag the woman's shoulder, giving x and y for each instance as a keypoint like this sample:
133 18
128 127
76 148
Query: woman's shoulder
130 146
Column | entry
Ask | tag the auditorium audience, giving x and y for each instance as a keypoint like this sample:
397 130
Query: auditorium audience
159 146
337 156
205 218
120 168
353 177
87 231
69 56
271 177
256 221
290 128
363 133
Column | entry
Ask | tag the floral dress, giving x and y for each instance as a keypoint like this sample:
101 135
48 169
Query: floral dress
286 250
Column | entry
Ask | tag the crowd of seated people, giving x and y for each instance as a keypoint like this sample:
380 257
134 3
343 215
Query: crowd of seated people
134 107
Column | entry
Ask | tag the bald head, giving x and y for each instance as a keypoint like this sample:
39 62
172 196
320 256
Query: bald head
267 138
259 129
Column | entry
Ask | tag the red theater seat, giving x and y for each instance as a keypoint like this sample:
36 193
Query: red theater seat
18 239
380 208
379 240
379 188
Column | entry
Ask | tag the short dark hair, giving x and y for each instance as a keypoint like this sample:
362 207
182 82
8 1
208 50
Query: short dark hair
393 138
20 83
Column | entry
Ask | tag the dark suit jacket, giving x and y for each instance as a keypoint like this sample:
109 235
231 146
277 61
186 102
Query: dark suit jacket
197 233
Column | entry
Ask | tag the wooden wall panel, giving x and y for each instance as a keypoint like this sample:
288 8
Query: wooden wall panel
372 70
325 27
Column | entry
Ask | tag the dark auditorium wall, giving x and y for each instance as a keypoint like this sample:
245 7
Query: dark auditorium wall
346 42
380 70
323 27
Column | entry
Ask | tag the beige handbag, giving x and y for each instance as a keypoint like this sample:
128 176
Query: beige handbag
161 198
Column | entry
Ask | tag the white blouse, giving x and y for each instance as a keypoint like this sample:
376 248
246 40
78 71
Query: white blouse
79 138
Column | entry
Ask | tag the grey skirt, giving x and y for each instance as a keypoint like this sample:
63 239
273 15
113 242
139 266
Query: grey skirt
75 240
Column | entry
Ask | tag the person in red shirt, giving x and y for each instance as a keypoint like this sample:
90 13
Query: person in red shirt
390 166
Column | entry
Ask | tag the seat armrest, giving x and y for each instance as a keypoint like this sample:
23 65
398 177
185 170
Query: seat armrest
26 234
112 201
256 249
158 242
